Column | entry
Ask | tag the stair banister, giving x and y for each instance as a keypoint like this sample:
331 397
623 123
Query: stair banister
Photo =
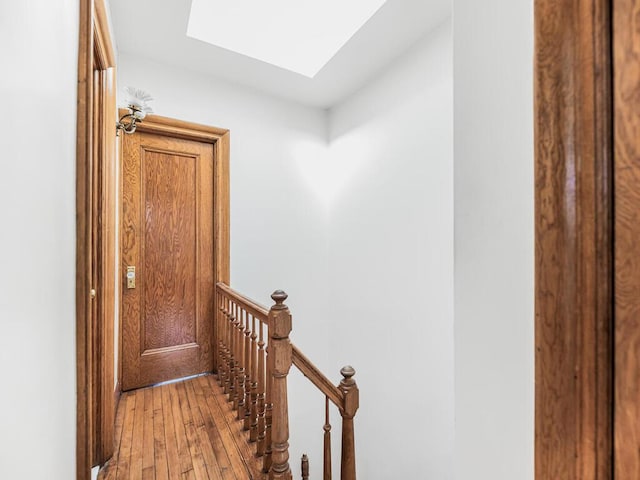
351 403
281 360
255 380
347 398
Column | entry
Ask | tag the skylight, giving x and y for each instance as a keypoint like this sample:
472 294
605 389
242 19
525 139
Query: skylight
297 35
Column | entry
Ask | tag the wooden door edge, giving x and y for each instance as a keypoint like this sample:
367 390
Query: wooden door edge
94 46
107 291
573 240
83 251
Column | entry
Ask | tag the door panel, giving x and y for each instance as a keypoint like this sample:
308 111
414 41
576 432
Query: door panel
169 245
167 235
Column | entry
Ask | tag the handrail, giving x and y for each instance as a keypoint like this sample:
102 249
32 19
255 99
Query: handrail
249 305
318 378
253 357
306 367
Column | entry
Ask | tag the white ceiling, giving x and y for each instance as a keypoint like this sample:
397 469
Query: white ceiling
156 29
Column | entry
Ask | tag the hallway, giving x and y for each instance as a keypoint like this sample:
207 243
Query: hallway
183 430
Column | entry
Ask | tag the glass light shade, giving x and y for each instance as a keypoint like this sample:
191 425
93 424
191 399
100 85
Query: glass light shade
139 114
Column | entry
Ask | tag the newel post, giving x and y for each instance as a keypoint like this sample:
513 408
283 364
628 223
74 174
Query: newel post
280 349
351 402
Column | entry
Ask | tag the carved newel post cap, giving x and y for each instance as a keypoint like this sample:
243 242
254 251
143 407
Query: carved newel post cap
350 391
347 372
279 297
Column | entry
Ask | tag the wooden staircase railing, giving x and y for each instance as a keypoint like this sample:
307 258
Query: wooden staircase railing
253 355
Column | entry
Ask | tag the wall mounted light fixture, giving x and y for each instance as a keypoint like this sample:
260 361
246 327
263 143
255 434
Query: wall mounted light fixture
138 109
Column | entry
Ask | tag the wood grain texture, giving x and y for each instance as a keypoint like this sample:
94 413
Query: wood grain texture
573 175
245 303
110 273
222 220
104 258
200 438
627 228
168 235
351 394
242 362
95 247
315 376
280 359
219 138
171 127
97 265
170 248
84 433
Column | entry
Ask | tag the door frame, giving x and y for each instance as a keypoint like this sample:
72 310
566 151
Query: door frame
95 219
219 138
573 240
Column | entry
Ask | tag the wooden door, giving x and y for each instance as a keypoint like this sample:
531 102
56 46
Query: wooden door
167 236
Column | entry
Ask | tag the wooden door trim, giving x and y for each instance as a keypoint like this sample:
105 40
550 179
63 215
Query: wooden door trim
95 49
573 240
219 138
171 127
627 231
104 50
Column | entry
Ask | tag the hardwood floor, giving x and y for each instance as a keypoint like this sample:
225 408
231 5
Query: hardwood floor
184 430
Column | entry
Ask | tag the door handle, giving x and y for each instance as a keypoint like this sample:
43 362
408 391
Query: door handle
131 277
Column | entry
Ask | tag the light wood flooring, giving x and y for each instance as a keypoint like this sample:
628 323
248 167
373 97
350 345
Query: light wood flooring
184 430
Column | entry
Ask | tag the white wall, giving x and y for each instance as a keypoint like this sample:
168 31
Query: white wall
38 47
391 262
493 147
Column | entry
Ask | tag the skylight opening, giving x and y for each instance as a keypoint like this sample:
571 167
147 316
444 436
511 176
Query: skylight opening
297 35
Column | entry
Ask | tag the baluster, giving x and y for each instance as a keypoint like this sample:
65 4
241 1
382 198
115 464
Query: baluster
232 349
232 352
305 467
261 448
227 348
247 373
242 371
351 402
280 359
216 337
253 426
220 333
326 468
236 359
225 341
268 407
